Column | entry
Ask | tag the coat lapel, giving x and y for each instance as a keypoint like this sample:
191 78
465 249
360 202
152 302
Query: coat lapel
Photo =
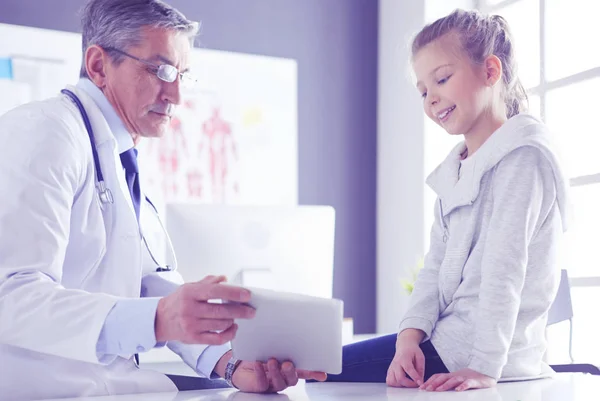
454 192
106 146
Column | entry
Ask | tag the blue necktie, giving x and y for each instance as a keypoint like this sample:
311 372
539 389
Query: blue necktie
129 162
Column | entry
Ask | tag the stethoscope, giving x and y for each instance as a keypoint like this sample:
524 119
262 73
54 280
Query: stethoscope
105 194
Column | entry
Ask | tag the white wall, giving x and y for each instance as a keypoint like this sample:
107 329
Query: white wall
401 160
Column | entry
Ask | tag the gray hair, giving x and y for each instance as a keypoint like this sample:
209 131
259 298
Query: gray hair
480 37
118 24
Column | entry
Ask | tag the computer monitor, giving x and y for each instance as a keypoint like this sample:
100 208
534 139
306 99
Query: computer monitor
284 248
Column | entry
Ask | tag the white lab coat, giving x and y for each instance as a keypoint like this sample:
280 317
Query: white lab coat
65 258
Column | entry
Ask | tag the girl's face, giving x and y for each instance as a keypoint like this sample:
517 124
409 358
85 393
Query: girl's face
456 92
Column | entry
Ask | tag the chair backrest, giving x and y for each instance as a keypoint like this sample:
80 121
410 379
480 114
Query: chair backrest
577 368
562 307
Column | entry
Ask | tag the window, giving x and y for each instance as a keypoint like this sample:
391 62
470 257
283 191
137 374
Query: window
563 76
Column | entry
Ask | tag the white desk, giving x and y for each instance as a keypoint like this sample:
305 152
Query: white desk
165 361
565 387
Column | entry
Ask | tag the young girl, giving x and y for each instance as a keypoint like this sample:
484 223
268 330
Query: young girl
479 307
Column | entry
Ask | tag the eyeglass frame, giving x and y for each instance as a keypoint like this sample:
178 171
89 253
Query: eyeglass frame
183 76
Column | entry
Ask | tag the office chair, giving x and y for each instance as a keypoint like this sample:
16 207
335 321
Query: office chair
560 311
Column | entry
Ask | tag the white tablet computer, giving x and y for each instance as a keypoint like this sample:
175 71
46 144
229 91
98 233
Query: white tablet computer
292 327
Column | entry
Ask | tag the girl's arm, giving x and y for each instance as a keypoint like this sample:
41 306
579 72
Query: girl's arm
523 183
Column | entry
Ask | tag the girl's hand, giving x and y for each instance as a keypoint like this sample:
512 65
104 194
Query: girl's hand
461 380
408 360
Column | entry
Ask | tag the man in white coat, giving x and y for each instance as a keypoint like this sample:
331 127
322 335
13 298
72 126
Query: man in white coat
79 297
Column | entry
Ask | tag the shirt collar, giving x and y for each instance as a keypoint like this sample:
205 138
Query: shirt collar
122 136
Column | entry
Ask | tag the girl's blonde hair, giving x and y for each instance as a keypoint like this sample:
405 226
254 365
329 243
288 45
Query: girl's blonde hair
480 37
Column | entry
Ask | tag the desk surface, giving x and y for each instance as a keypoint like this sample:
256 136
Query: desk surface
565 387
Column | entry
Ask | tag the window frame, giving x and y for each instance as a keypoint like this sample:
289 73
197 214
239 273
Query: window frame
542 90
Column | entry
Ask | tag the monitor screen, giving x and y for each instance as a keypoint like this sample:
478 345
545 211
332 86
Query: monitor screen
283 248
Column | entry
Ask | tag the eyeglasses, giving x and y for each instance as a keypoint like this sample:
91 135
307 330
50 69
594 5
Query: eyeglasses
165 72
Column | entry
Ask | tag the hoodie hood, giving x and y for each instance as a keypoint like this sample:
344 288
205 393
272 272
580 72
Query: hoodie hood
520 130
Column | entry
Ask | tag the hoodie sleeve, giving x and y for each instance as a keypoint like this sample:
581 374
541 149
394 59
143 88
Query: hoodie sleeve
423 309
523 192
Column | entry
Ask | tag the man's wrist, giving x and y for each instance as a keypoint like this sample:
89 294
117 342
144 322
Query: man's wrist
158 332
222 364
230 370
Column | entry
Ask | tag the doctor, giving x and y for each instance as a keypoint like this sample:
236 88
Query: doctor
80 292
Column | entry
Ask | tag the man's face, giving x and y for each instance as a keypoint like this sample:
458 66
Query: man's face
144 102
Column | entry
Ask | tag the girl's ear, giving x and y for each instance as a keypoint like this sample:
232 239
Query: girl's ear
493 70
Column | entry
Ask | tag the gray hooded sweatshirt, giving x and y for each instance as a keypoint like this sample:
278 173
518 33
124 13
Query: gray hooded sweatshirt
491 273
